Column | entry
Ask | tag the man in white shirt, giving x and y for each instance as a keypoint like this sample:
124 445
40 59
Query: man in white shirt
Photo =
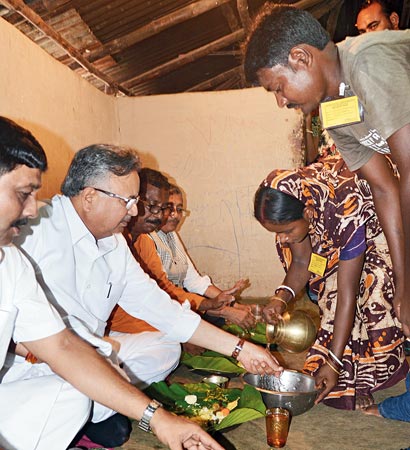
45 412
86 269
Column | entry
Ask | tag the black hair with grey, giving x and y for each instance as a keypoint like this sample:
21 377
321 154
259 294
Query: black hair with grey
19 147
154 178
275 31
272 205
97 162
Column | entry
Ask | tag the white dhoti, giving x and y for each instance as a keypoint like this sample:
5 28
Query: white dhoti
43 413
147 357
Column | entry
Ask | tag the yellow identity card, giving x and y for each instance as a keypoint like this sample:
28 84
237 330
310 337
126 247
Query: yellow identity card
340 112
317 264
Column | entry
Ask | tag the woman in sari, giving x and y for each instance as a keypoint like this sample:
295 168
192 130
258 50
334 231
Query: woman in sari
328 236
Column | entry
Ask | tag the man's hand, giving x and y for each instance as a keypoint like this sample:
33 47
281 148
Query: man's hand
240 315
325 379
178 433
227 297
256 359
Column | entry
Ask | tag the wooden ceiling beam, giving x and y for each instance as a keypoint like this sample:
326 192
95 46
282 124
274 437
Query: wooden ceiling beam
243 10
154 27
230 17
217 80
185 59
21 8
306 4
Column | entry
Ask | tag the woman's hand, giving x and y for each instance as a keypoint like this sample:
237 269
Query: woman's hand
178 433
274 310
326 379
258 360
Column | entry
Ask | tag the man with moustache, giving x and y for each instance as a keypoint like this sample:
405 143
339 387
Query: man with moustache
86 268
154 210
377 15
45 412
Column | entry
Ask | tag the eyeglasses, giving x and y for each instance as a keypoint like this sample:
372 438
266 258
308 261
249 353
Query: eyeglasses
155 209
178 210
129 202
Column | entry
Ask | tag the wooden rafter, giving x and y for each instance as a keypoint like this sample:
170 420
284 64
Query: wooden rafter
243 10
154 27
21 8
217 80
187 58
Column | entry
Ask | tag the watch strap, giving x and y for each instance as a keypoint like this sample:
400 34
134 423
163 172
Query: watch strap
144 423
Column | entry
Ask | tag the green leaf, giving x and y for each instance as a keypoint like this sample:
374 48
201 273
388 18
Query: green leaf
252 398
238 416
212 364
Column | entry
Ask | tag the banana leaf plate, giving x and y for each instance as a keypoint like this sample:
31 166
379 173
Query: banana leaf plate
212 407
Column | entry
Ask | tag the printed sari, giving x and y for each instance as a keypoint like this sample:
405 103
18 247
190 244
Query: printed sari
373 358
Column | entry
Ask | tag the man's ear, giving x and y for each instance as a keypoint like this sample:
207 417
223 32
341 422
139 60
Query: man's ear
394 19
88 196
300 56
308 213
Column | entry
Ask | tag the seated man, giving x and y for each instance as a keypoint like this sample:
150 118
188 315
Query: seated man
180 269
86 268
45 412
154 190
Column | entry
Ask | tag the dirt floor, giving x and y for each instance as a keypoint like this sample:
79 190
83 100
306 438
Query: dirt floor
321 428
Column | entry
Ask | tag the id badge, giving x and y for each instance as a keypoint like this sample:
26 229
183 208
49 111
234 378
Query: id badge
317 264
341 112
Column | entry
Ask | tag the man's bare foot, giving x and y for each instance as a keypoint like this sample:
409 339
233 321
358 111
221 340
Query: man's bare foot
372 410
364 401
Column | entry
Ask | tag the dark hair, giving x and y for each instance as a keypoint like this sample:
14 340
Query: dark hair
95 163
19 147
387 6
272 205
153 177
275 31
174 190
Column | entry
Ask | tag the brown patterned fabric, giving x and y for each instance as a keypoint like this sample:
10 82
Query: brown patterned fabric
373 358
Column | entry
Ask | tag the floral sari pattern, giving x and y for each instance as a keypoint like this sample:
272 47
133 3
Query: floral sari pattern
373 358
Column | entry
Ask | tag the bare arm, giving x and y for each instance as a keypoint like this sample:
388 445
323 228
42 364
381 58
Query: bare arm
254 358
348 279
386 195
399 144
79 364
296 278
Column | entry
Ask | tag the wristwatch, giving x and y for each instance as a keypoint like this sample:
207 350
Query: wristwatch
147 415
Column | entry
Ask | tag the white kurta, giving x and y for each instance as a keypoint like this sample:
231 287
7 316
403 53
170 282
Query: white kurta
85 279
36 415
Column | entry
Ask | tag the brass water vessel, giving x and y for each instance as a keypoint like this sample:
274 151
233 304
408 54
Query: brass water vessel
295 333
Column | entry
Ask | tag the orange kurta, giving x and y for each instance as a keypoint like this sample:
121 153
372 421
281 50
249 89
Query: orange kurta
146 254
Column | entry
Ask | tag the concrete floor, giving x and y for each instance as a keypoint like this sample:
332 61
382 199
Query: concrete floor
321 428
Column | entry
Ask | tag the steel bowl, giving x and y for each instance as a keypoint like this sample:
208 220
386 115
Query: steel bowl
293 390
219 380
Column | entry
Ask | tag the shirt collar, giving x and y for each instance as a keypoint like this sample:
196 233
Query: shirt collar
79 231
